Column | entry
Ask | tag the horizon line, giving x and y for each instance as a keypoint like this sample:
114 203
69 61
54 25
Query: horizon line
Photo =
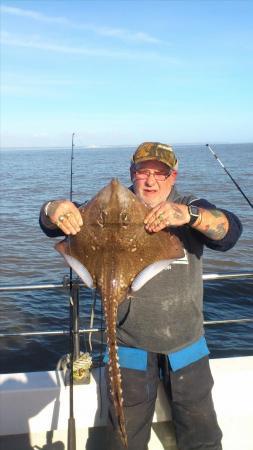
95 146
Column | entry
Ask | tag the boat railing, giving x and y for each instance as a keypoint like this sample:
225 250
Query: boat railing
76 285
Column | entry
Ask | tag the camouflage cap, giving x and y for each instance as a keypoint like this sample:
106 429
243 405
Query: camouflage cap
155 151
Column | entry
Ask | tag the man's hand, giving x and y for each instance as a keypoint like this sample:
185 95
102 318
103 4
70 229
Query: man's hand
212 223
65 215
166 214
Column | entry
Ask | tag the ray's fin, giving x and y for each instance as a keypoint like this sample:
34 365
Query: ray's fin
149 272
79 268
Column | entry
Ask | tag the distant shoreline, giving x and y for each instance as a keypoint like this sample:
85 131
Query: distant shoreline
115 146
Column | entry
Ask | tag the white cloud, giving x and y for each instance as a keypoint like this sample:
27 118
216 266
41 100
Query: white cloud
118 33
27 84
35 42
32 15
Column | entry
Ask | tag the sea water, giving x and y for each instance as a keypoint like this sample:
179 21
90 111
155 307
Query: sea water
30 177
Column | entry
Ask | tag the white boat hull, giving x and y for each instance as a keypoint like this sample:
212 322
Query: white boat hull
34 403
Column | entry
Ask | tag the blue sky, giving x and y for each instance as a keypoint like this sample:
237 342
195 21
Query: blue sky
121 72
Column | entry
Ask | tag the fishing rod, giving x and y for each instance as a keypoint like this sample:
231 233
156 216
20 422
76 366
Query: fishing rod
230 176
71 168
71 420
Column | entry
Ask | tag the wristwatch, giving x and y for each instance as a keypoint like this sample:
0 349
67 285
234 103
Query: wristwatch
194 214
46 208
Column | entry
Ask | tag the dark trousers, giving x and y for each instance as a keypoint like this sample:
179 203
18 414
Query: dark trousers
189 393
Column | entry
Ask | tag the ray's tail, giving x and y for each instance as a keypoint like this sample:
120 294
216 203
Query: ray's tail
110 310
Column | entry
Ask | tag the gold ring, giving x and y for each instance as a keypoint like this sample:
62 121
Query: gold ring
160 217
61 218
57 223
68 215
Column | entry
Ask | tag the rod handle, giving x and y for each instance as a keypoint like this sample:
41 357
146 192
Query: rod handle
71 434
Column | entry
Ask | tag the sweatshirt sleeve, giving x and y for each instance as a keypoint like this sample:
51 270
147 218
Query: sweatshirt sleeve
234 230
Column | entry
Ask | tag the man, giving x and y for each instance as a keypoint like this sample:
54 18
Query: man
160 330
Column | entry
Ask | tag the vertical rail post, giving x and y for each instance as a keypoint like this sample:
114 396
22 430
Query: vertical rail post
76 321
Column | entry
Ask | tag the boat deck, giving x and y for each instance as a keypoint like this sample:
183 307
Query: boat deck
162 438
34 410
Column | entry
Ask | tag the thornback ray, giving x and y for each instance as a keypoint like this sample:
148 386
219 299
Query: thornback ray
114 253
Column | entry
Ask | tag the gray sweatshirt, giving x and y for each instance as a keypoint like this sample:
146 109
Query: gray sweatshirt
166 314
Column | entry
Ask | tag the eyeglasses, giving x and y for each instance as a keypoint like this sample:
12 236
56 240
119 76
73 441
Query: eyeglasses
145 174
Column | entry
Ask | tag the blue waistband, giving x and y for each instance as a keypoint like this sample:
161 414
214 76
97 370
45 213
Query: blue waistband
189 354
131 358
135 358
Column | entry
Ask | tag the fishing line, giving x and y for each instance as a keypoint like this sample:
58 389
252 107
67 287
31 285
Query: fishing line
92 316
71 420
230 176
101 358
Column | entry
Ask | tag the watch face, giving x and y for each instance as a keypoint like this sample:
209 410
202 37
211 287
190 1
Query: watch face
194 211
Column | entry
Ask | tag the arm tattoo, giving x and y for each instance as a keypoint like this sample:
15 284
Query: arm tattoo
216 212
216 233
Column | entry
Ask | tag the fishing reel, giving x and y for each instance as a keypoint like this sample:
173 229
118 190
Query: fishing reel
81 368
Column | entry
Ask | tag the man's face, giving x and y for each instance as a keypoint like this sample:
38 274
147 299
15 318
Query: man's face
149 190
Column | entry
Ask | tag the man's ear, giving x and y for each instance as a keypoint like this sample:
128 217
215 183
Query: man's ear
174 177
132 172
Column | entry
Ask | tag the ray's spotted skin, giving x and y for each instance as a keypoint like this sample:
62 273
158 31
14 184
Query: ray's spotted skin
114 253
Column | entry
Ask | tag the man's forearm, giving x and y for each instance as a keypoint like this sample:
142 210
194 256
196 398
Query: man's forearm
60 217
44 220
49 228
213 223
